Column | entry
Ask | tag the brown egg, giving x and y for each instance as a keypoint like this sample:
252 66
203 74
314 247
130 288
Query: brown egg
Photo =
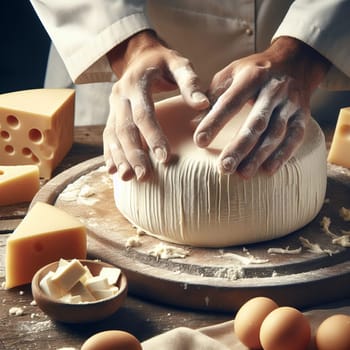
112 340
285 328
334 333
249 319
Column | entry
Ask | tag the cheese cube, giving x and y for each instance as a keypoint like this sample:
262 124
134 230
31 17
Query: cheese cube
339 152
112 274
71 299
50 288
45 235
80 289
18 183
105 293
67 276
36 127
97 282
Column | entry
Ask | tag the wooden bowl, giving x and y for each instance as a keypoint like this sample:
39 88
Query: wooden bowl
83 312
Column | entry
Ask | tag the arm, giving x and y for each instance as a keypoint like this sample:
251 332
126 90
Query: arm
324 26
83 31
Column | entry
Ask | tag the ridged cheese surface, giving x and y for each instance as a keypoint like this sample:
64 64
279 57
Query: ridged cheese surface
189 202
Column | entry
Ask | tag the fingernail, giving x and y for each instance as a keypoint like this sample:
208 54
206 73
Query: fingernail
122 169
202 139
160 154
139 172
228 165
199 97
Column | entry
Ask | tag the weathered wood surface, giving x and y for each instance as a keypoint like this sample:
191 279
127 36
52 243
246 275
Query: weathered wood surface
208 279
33 330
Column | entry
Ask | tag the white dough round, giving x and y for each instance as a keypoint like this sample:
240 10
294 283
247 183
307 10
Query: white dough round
189 202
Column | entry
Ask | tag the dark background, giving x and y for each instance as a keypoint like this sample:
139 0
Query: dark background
24 47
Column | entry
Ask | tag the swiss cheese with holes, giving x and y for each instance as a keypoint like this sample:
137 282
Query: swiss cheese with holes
339 151
36 127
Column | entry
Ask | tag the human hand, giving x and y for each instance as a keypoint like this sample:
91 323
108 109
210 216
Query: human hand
145 65
279 82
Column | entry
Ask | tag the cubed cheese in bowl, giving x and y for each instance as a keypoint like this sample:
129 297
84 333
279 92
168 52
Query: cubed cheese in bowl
79 291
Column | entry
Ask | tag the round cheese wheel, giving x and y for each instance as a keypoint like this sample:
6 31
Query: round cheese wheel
189 202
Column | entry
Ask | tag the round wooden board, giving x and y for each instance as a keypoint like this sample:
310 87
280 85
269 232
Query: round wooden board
209 279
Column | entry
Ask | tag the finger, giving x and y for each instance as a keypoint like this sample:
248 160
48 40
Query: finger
243 87
130 140
269 141
188 82
293 139
252 129
112 151
143 114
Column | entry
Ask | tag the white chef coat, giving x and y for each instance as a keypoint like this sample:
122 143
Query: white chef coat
210 33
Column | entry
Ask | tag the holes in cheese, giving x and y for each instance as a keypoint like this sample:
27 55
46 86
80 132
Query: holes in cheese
189 202
339 150
36 127
45 235
18 183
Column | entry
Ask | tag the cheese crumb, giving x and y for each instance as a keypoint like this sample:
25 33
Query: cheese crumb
314 247
163 251
284 250
133 242
16 311
344 213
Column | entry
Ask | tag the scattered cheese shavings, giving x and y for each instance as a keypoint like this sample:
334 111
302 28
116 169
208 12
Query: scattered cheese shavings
284 250
314 247
140 232
16 311
163 251
133 242
245 260
343 241
325 224
232 273
344 213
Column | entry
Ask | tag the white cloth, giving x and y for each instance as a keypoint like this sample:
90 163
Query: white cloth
210 33
222 336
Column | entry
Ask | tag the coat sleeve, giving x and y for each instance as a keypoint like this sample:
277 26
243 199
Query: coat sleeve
83 31
323 25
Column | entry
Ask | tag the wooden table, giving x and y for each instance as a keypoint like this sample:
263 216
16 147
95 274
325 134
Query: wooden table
34 330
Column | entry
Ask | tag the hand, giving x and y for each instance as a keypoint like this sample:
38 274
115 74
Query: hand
144 66
279 82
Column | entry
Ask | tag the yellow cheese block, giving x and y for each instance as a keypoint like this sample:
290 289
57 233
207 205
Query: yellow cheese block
45 235
18 183
339 152
36 127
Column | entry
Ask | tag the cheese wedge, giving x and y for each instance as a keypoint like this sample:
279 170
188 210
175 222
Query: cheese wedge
36 127
18 183
339 152
45 235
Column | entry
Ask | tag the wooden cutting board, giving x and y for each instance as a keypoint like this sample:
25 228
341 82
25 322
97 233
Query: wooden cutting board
209 279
